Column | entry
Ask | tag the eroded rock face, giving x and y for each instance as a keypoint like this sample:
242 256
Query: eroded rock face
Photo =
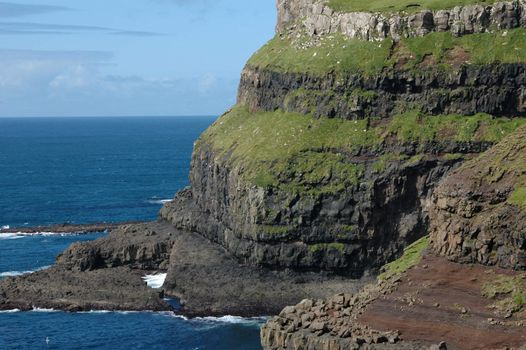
141 246
317 18
472 217
496 89
350 231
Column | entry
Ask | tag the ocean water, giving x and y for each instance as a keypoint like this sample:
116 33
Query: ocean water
80 170
83 170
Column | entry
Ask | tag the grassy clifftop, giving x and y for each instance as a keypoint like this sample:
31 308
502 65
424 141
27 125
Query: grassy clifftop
338 54
401 5
298 153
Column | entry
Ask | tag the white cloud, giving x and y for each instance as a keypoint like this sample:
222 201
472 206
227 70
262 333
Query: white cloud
74 82
207 82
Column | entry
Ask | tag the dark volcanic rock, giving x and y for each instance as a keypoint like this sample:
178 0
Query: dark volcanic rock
101 275
209 281
473 215
118 288
497 89
68 228
349 232
106 275
144 246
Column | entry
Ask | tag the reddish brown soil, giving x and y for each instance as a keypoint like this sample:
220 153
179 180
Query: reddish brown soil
442 301
457 56
428 61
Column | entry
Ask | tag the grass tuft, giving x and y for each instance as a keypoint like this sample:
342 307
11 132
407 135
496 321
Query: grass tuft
508 291
518 197
412 256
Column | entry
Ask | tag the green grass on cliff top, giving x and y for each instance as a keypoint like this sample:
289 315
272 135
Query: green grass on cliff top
400 5
301 154
338 54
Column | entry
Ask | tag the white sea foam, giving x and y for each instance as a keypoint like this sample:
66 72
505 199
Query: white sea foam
38 309
5 227
18 235
155 281
232 319
9 311
20 273
159 201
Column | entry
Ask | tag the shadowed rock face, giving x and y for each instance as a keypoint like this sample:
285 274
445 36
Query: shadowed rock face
315 17
473 215
497 89
350 232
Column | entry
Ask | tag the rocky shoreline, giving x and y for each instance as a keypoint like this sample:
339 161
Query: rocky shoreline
106 275
322 177
67 228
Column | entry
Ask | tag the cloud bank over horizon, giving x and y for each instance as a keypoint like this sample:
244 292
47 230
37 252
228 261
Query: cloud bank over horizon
149 57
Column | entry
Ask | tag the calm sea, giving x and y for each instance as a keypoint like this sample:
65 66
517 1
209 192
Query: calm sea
83 170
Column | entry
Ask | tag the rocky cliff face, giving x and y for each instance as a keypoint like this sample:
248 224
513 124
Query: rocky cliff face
337 142
316 17
478 213
351 231
496 89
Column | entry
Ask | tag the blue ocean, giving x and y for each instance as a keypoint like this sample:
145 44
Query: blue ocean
87 170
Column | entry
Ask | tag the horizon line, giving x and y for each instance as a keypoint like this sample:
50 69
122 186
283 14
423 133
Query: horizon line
115 116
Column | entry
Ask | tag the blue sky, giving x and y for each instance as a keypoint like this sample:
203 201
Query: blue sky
126 57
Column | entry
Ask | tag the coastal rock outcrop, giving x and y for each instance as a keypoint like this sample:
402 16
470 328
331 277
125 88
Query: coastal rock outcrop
141 246
105 274
326 170
335 144
478 212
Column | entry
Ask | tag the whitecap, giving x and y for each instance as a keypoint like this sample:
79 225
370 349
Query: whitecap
155 281
159 201
17 235
38 309
9 311
5 227
233 319
21 273
5 236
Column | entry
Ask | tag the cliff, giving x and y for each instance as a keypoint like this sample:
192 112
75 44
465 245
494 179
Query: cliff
337 141
368 136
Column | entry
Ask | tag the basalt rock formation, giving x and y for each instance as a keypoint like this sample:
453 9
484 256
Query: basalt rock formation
356 134
478 212
422 65
337 142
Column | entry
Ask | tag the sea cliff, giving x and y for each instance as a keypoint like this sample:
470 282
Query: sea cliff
375 149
